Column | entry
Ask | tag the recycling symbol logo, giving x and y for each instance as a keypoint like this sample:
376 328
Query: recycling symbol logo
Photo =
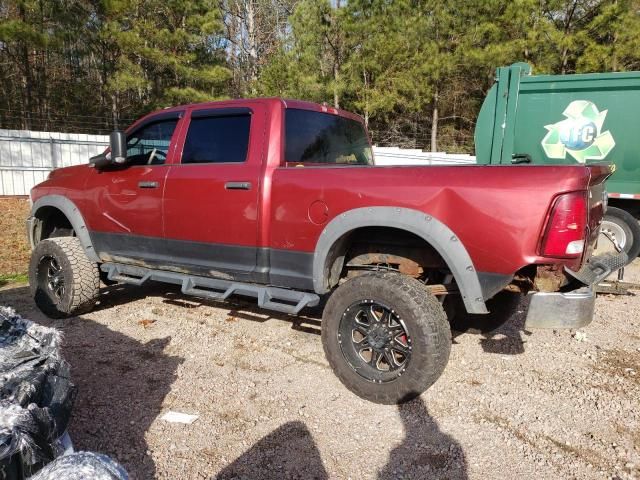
580 134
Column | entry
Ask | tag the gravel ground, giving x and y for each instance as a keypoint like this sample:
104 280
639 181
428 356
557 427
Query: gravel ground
511 404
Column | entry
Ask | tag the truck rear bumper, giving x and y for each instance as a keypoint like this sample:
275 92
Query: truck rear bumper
573 309
561 310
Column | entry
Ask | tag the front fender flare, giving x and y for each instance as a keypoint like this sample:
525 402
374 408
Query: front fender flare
429 228
74 216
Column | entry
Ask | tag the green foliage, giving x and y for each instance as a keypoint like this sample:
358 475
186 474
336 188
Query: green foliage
162 51
13 278
403 59
100 61
409 67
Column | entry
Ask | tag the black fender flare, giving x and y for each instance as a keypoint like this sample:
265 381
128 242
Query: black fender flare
429 228
73 214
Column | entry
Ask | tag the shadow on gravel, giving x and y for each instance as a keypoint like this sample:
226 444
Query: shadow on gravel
502 329
239 307
287 452
426 452
122 384
122 293
291 452
302 324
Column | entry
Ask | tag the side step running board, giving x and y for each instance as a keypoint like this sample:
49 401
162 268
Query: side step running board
272 298
600 267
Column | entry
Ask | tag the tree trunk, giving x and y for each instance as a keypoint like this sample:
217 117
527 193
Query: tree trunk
253 49
236 79
336 57
565 59
103 85
114 111
366 98
27 80
434 123
614 45
336 78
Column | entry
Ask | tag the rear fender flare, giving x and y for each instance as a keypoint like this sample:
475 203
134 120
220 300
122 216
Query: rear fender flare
429 228
72 212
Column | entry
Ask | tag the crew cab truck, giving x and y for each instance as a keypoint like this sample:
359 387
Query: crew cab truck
570 119
281 200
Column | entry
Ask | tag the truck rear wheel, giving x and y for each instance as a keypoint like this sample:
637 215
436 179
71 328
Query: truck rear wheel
621 228
386 337
63 281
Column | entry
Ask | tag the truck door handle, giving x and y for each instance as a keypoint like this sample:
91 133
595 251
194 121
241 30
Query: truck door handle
148 184
237 186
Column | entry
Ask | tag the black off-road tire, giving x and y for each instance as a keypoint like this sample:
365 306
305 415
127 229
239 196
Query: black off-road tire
424 320
79 276
630 228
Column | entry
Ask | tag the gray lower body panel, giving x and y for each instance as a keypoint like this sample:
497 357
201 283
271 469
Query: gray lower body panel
492 283
285 268
31 221
561 310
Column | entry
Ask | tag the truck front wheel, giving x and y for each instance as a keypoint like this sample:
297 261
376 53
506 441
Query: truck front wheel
386 337
619 228
63 281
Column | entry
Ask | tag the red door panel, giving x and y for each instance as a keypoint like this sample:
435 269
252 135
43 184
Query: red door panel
211 197
122 205
128 198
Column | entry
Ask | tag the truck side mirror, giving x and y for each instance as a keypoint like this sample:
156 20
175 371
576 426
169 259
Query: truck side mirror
118 144
117 154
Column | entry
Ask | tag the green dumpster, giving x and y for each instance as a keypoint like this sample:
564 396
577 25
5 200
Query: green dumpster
568 119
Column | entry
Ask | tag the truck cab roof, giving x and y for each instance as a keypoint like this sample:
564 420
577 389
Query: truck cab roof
270 102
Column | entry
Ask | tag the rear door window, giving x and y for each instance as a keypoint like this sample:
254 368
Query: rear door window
323 138
217 139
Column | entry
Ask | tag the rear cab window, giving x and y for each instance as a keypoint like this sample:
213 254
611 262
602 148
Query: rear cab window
217 137
316 138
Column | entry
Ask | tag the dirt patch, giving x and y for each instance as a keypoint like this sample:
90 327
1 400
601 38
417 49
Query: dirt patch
621 364
14 247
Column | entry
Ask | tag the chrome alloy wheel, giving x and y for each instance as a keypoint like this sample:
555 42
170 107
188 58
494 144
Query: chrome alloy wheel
54 277
374 341
614 233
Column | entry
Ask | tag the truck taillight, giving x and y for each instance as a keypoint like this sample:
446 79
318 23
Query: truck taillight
566 229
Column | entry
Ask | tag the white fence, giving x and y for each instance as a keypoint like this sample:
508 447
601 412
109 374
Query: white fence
27 157
405 156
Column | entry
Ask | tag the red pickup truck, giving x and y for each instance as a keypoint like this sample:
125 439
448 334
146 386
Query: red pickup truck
281 200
